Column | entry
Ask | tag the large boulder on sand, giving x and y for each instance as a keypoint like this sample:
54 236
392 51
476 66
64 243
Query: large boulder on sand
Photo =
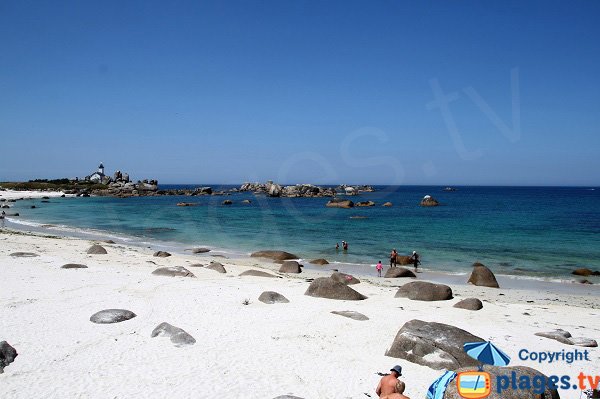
173 271
501 381
424 291
404 260
7 355
271 297
482 276
109 316
97 250
469 304
290 266
275 255
319 261
395 272
346 279
435 345
324 287
339 203
178 336
257 273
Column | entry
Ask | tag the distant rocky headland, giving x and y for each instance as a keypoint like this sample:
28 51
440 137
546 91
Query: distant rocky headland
120 185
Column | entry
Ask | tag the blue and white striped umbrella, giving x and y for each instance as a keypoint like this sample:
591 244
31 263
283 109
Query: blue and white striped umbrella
487 353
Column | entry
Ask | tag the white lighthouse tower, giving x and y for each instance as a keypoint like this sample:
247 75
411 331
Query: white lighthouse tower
101 169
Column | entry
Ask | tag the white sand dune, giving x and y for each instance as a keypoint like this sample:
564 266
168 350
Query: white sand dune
250 351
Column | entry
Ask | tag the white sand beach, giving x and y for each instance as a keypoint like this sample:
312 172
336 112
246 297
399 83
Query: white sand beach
256 350
30 194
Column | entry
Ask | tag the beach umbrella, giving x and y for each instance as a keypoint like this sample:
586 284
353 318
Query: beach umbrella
486 353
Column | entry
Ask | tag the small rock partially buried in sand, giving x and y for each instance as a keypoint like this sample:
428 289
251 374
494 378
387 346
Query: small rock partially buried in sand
216 266
319 261
173 271
178 336
97 250
271 297
161 254
109 316
257 273
73 266
424 291
200 250
469 304
290 266
397 272
351 314
275 255
325 287
23 255
7 355
565 337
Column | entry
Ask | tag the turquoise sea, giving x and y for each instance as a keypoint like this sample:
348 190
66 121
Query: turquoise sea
541 232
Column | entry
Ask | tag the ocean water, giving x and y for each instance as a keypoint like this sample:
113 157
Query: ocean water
527 231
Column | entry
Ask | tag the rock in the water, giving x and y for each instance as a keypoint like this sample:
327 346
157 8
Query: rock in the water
227 202
469 304
365 203
256 273
404 260
290 266
319 261
565 337
73 266
216 266
161 254
97 250
271 297
351 314
582 272
339 203
275 255
23 255
387 204
200 250
435 345
428 200
424 291
173 271
482 276
521 373
324 287
395 272
344 278
109 242
7 355
178 336
109 316
246 201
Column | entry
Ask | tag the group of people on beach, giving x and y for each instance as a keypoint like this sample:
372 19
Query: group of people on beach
415 259
390 387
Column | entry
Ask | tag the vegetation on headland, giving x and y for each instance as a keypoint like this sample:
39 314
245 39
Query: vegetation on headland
53 185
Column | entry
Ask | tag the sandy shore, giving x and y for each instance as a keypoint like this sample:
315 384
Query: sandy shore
16 194
251 351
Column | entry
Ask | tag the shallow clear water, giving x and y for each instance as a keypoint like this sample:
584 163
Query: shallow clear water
544 232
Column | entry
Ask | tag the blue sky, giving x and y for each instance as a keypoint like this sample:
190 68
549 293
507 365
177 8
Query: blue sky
302 91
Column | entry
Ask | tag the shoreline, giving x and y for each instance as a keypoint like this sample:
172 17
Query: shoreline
520 281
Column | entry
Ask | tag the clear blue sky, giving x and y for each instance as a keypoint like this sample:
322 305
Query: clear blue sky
302 91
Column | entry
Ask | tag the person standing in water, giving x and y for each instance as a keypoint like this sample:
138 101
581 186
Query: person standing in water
345 245
393 256
415 259
379 267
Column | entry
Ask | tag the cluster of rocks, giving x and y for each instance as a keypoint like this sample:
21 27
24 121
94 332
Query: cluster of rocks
125 188
566 338
271 189
354 190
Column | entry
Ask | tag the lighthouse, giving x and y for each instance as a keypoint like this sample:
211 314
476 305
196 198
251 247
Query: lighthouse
101 169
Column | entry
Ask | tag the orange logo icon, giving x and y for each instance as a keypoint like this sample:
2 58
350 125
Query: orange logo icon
473 384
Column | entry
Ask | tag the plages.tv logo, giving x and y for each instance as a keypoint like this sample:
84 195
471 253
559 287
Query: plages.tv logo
478 384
